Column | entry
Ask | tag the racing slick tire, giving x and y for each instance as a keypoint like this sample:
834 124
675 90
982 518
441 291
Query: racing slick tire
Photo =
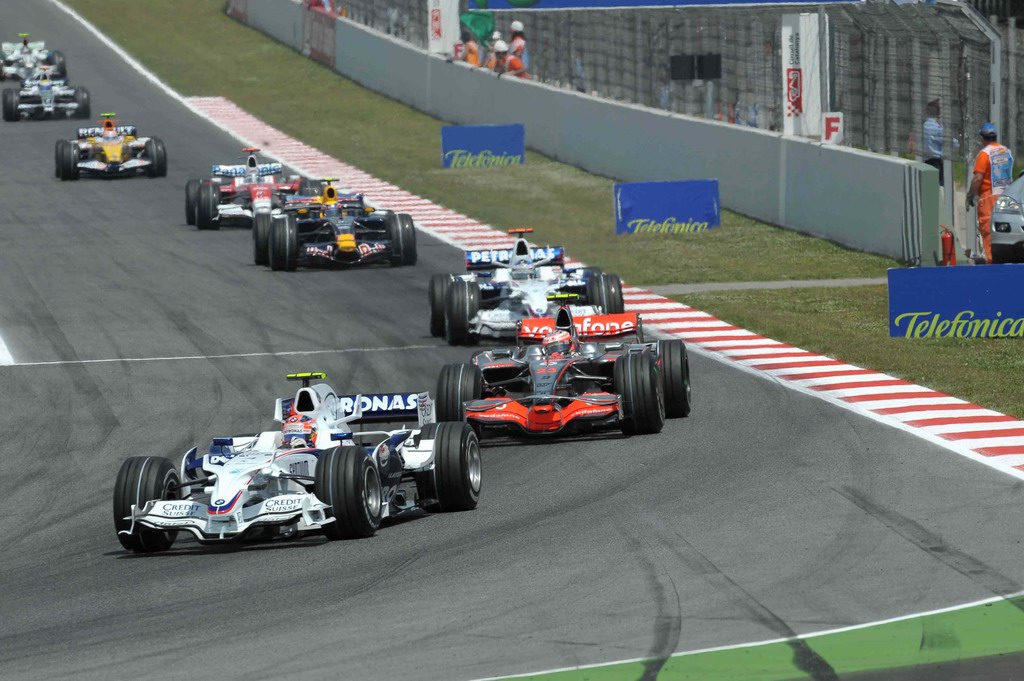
57 156
347 480
438 292
408 239
638 381
142 479
206 206
308 187
284 244
454 481
675 370
60 65
261 224
191 200
605 290
461 305
397 237
157 153
456 385
67 161
82 99
10 104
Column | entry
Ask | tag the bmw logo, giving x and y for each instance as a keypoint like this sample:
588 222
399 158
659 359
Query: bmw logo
219 502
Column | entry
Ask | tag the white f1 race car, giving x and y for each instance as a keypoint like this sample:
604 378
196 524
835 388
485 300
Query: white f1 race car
502 287
22 60
313 474
44 98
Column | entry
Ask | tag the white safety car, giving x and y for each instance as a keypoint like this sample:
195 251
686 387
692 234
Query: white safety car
314 473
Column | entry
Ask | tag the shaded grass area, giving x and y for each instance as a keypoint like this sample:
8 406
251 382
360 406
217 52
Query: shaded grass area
181 40
852 324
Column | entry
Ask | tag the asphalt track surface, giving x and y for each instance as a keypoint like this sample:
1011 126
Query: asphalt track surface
766 513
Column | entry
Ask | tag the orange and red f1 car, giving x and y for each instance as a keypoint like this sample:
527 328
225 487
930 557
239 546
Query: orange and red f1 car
570 376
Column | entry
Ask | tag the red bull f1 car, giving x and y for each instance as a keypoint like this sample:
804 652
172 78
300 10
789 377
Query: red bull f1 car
569 376
312 474
334 230
110 150
503 286
240 195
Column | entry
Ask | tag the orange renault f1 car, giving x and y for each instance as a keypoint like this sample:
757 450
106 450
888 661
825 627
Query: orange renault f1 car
110 150
569 376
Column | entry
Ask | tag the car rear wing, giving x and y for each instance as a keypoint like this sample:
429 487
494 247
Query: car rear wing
500 257
96 131
263 169
602 327
387 408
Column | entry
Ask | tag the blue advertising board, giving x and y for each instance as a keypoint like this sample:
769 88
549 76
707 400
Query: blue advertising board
684 207
957 302
607 4
482 146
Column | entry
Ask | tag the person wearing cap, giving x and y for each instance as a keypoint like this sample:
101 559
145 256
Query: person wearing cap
507 64
517 45
492 59
993 173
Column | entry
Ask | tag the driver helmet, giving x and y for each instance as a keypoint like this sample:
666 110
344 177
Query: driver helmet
110 134
557 343
298 431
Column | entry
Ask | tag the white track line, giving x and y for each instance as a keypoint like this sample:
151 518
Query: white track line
184 358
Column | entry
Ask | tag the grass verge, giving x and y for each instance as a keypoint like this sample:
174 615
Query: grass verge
852 323
179 39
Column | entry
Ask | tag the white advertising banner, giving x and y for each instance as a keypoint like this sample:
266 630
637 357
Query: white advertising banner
802 73
442 25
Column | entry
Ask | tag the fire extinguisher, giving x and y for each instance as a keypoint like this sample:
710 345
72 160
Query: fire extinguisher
948 247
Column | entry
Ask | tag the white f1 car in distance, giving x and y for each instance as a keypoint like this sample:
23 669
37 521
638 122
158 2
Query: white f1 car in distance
314 473
40 97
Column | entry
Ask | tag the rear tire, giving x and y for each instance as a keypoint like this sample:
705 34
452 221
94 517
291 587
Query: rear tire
207 206
638 381
157 153
191 200
284 244
605 291
57 156
408 239
261 238
60 65
82 99
142 479
456 385
347 480
675 370
397 237
457 473
613 284
11 99
438 293
461 306
308 187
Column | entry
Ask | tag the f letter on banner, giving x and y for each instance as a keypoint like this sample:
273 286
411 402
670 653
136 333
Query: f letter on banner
957 302
685 207
482 146
832 129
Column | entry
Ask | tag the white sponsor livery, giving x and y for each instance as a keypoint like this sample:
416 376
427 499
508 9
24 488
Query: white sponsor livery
283 504
369 403
262 169
504 255
587 326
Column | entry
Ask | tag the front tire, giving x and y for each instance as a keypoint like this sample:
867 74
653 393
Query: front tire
347 480
638 381
284 244
11 99
456 385
191 200
457 473
207 206
675 369
142 479
68 162
461 307
82 99
438 294
261 238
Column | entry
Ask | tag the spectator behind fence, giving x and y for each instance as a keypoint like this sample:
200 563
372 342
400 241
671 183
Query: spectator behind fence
470 52
507 64
993 173
933 137
491 61
517 46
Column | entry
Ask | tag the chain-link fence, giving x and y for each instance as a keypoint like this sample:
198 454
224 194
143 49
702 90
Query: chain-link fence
888 62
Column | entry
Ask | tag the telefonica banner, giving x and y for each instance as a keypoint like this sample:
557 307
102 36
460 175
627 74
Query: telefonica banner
482 146
607 4
957 302
685 207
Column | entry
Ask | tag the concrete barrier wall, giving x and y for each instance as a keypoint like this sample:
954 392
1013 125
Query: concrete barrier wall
865 201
